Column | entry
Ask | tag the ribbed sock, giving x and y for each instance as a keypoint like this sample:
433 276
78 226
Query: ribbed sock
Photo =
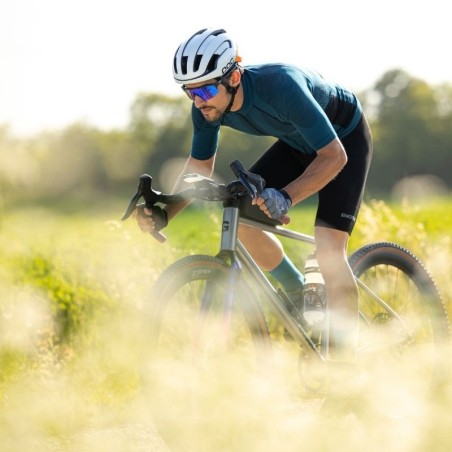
288 275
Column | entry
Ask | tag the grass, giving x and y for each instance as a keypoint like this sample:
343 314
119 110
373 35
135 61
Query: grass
75 373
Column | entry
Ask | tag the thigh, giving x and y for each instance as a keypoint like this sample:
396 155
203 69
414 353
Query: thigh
340 200
281 164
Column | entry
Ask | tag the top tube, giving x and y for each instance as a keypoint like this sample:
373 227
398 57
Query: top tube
279 230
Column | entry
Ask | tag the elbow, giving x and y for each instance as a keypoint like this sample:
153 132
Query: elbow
339 157
335 153
340 154
343 158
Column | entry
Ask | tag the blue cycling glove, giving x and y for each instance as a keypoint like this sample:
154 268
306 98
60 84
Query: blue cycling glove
276 201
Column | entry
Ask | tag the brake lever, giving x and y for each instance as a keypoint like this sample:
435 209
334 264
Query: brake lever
132 205
253 183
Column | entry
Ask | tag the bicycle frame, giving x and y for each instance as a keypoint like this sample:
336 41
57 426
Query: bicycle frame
231 246
232 249
240 258
205 306
385 260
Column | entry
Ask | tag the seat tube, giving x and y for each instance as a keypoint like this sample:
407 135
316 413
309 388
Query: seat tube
229 228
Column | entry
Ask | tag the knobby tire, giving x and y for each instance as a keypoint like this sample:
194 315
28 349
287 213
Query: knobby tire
422 337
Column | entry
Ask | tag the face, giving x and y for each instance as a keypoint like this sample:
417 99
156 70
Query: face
210 97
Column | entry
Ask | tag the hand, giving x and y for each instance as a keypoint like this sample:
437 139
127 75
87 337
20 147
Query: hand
151 220
273 203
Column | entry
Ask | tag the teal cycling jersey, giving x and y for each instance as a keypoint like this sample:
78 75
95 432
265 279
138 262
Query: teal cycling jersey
292 104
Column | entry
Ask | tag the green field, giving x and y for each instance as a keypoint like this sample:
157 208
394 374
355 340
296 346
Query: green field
74 374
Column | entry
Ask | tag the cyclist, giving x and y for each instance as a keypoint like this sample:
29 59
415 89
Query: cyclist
323 145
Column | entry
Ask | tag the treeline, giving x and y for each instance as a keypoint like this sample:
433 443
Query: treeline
411 123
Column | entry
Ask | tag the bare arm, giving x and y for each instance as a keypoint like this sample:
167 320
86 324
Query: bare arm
324 168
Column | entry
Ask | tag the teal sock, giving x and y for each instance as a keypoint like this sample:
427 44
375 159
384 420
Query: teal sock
288 275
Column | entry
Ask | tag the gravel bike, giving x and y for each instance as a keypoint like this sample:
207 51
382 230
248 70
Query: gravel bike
207 304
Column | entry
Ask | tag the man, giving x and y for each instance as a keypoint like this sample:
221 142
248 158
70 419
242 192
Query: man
323 145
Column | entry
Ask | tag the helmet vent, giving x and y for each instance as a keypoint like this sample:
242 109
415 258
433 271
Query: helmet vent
184 60
213 63
218 32
197 62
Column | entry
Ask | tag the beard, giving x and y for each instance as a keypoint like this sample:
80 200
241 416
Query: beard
211 114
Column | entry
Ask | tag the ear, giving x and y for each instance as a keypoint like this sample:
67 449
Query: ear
235 78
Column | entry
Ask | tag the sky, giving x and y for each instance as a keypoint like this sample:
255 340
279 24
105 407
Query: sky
65 61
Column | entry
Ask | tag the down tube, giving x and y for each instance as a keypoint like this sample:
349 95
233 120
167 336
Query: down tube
280 310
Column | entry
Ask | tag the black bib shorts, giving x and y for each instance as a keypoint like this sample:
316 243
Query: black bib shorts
339 201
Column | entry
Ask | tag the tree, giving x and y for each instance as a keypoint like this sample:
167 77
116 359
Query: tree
408 124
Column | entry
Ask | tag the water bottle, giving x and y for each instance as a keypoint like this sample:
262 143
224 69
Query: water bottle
314 292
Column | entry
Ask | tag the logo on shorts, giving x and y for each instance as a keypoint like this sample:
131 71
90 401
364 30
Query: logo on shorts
348 216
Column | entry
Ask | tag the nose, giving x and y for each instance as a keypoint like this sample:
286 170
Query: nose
199 102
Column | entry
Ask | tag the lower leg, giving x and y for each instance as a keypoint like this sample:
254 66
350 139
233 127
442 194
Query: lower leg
268 253
342 292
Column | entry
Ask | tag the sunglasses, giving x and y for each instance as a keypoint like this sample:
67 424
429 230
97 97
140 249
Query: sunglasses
205 92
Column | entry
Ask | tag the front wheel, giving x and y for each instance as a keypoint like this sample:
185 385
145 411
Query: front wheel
404 326
197 313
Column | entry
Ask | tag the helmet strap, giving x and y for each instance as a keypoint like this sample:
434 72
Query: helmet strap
233 91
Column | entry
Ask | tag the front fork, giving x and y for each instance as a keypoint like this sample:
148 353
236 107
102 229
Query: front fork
226 253
229 235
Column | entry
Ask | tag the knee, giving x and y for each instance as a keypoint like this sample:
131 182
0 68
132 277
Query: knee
326 254
332 261
331 247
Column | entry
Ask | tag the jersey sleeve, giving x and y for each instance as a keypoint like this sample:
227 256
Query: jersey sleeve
298 105
205 136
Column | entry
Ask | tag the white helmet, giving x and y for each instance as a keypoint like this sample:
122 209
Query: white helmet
210 53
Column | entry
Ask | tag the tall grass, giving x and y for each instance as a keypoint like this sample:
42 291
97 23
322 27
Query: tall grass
75 366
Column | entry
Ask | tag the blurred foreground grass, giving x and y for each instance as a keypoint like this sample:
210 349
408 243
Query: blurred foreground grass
75 373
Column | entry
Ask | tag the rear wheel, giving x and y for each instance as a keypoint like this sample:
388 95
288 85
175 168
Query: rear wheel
404 330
